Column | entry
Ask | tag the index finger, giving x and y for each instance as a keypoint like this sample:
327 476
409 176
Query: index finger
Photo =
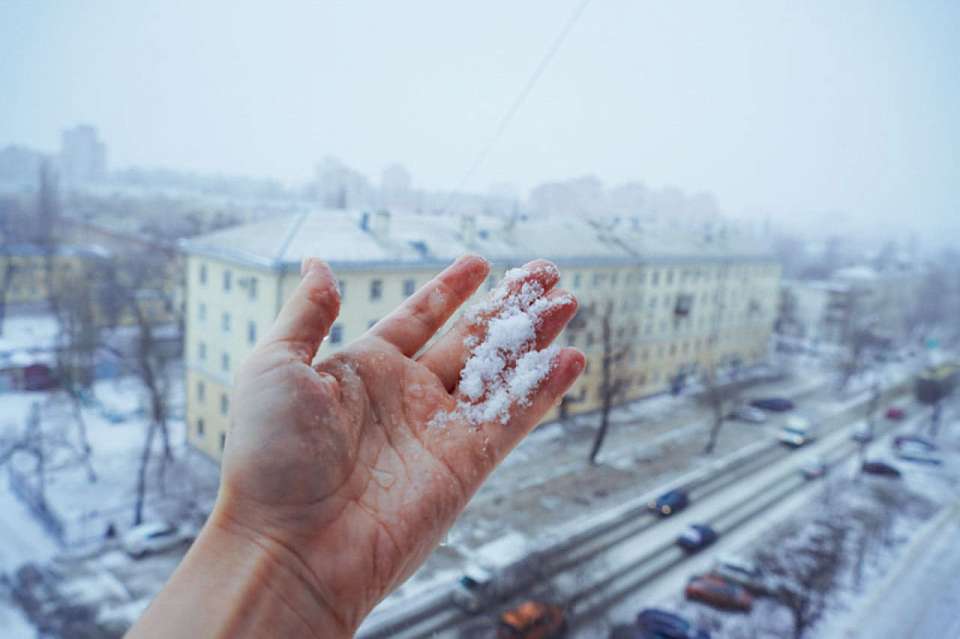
415 321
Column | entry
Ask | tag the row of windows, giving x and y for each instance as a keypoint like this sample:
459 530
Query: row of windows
201 427
226 322
375 292
668 276
202 397
247 283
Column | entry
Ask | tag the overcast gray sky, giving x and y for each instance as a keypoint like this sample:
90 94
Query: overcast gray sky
788 107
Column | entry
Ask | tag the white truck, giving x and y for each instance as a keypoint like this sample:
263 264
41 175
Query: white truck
495 569
797 431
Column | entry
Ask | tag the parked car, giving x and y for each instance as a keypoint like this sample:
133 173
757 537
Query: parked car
814 469
532 620
862 434
750 414
913 452
741 572
696 537
660 624
669 502
775 404
880 468
895 413
152 537
797 431
914 440
718 592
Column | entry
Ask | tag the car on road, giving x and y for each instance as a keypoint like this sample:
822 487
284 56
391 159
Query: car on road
862 434
880 468
913 452
774 404
532 620
670 502
814 469
796 432
718 592
152 537
696 537
914 440
749 414
741 572
895 413
661 624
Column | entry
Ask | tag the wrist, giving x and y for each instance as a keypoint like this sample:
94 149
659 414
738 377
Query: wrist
274 588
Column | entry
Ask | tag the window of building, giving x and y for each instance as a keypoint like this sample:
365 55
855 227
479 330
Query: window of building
253 288
223 440
409 286
200 426
613 278
225 322
376 289
201 350
225 362
588 340
227 280
336 334
655 278
342 287
201 391
576 280
224 404
252 332
201 311
203 273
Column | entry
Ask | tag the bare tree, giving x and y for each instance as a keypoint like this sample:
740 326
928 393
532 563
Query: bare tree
805 570
138 290
721 398
614 381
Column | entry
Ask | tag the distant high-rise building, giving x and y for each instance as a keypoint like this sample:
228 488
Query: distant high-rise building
19 165
395 187
83 157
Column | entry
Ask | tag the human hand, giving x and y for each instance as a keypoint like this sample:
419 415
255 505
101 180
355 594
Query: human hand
340 471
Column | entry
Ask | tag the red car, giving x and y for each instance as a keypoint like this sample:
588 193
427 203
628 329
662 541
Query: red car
895 413
719 592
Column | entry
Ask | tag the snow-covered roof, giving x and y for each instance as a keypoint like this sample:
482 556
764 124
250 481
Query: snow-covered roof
358 239
856 273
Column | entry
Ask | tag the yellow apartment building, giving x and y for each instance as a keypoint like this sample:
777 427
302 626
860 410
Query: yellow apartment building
681 301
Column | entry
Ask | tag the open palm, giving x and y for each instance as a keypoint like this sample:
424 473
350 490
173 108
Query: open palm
338 467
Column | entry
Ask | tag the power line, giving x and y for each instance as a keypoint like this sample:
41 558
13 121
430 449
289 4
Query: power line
518 102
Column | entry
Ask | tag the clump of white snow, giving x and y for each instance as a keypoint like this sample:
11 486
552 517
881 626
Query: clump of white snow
504 366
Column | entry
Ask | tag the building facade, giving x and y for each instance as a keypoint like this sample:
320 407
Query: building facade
681 304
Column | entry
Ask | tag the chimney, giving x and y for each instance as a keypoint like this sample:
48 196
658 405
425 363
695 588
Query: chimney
379 224
468 230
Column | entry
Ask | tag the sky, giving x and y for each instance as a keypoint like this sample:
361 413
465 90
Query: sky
832 110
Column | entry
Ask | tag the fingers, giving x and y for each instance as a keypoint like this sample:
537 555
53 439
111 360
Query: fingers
448 355
411 325
475 451
307 316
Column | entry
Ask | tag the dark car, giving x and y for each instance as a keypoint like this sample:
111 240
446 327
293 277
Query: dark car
718 592
880 468
696 538
914 440
862 435
669 502
660 624
775 404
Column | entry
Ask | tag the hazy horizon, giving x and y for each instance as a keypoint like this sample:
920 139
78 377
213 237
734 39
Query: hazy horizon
771 107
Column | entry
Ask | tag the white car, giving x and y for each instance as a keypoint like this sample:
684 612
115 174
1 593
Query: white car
742 572
748 414
151 537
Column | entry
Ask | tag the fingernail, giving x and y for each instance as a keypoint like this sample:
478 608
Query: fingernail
309 265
